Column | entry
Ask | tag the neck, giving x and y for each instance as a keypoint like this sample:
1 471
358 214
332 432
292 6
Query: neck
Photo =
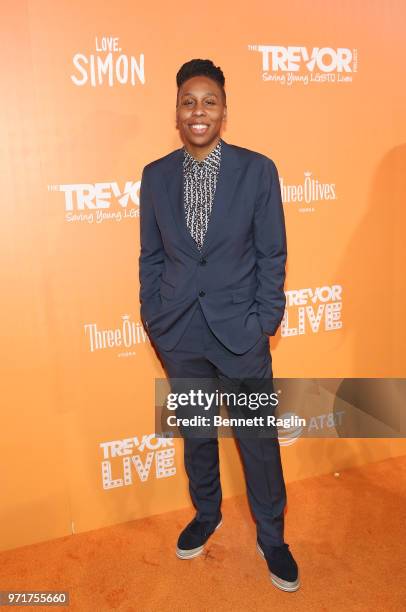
200 153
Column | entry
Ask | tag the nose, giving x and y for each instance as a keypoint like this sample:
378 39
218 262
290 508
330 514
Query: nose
199 109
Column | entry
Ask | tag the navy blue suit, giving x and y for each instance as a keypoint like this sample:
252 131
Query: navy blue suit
239 274
209 313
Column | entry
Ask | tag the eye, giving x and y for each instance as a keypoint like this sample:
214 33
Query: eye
211 102
187 101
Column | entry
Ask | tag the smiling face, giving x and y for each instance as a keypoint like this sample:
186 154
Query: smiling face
200 112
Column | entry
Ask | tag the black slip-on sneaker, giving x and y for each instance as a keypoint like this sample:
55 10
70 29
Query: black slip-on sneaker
195 535
282 567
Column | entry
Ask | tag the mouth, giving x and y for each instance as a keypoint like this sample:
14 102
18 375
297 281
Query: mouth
198 128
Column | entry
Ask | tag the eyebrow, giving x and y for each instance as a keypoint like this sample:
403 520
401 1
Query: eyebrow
189 93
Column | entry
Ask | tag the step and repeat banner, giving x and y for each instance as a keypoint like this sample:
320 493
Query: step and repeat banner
88 96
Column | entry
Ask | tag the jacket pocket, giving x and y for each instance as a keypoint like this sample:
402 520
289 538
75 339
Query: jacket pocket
244 293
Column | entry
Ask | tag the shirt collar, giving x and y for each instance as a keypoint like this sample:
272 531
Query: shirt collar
211 162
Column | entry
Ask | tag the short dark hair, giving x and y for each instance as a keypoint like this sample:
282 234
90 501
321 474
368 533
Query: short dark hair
200 67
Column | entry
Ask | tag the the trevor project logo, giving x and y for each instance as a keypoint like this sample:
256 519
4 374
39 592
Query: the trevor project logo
290 65
98 202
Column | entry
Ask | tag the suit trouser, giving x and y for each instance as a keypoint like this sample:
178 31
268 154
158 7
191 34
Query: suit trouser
199 354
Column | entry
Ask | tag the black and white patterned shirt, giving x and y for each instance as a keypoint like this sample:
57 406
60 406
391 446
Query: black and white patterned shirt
199 181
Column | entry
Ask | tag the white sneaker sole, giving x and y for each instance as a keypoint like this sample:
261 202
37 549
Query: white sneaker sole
193 552
284 585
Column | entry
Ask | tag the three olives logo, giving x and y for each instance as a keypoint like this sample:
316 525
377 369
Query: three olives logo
306 194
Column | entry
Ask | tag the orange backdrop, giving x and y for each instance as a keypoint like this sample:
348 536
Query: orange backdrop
88 97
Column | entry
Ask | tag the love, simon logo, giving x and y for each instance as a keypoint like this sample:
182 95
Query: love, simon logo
107 65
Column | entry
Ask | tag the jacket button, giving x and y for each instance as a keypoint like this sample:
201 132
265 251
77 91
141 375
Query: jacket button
203 261
202 293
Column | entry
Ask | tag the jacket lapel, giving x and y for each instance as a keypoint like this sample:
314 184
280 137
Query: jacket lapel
225 188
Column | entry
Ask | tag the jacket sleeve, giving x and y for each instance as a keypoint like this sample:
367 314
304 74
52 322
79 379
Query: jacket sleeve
151 257
271 250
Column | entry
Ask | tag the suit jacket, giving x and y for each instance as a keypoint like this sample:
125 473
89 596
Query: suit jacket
238 276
